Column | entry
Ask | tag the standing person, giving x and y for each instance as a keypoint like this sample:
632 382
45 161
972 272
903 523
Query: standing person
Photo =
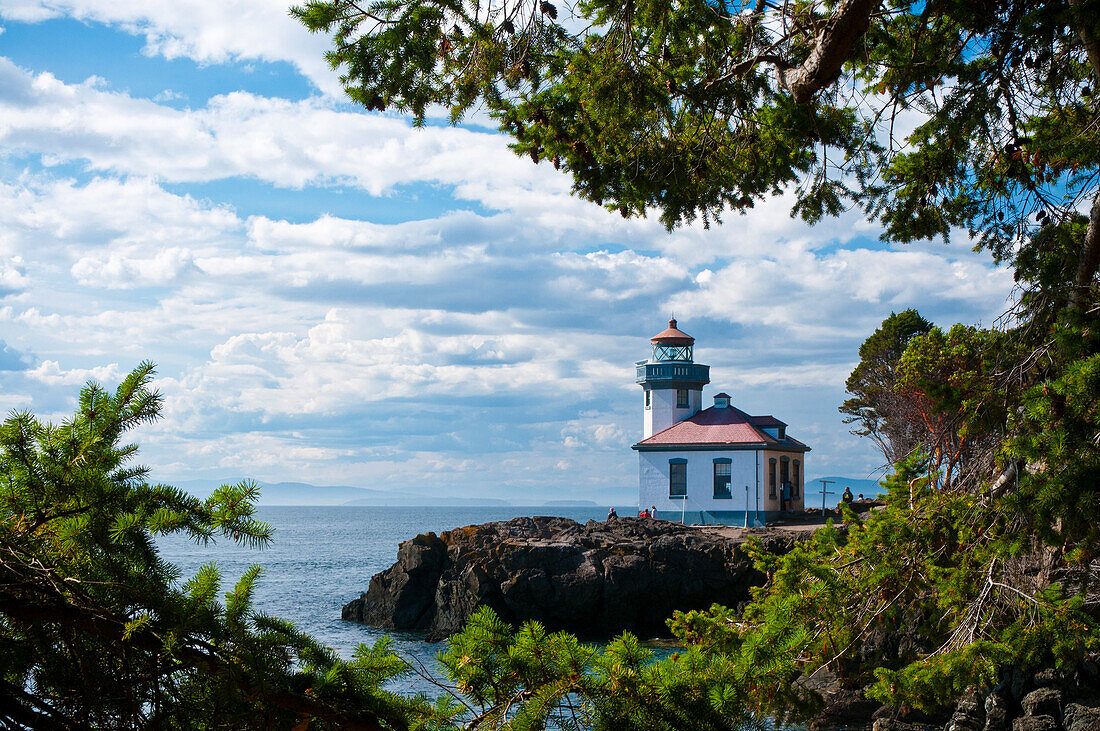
653 511
847 496
611 513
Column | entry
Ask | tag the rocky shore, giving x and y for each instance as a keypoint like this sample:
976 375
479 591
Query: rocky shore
1049 700
595 580
599 579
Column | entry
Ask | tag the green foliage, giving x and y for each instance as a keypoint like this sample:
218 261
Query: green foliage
984 557
698 107
875 407
956 401
531 679
918 602
97 630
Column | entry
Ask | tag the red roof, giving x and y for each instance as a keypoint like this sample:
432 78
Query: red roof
672 336
721 427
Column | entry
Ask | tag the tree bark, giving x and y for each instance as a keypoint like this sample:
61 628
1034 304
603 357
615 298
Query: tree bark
1089 259
1085 25
849 21
1088 37
1005 481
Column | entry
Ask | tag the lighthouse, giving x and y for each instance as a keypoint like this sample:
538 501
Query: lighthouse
714 465
671 380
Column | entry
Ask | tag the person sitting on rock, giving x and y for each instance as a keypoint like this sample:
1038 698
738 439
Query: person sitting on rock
644 513
860 496
611 513
847 496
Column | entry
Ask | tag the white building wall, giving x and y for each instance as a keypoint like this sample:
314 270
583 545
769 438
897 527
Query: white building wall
662 412
744 470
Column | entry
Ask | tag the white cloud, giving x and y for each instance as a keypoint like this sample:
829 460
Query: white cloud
585 434
134 267
51 373
465 349
57 213
168 95
844 292
233 30
13 401
267 329
287 144
13 276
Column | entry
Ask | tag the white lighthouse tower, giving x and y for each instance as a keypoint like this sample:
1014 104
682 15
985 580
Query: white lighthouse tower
672 381
713 465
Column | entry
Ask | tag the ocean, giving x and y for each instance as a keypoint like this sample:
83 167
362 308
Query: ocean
323 557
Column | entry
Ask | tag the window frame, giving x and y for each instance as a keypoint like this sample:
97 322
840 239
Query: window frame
686 403
675 466
772 473
727 478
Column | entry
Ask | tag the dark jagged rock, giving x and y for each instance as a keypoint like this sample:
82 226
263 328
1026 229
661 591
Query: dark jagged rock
1046 700
969 714
1080 717
599 579
1036 723
996 711
594 580
842 707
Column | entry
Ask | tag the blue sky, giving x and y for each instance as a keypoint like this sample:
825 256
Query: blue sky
334 297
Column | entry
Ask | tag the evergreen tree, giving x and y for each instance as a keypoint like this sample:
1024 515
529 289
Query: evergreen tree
876 408
97 630
692 108
696 107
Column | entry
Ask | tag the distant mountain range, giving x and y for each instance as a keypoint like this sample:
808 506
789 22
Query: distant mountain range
869 488
303 493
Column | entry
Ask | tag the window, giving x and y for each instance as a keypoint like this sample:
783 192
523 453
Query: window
785 473
796 478
672 352
771 478
681 398
722 469
647 397
677 478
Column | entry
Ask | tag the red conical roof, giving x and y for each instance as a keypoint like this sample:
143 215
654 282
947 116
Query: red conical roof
672 336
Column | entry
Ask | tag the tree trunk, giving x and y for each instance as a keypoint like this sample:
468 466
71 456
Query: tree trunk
849 21
1089 258
1088 36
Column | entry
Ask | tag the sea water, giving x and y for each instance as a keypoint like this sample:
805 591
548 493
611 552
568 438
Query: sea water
323 557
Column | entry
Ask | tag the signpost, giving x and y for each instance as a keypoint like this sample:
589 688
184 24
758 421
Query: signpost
825 492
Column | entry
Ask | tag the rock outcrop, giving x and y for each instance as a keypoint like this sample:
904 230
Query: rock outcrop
1048 700
595 580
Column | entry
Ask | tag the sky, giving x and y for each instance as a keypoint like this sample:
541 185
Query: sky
334 297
